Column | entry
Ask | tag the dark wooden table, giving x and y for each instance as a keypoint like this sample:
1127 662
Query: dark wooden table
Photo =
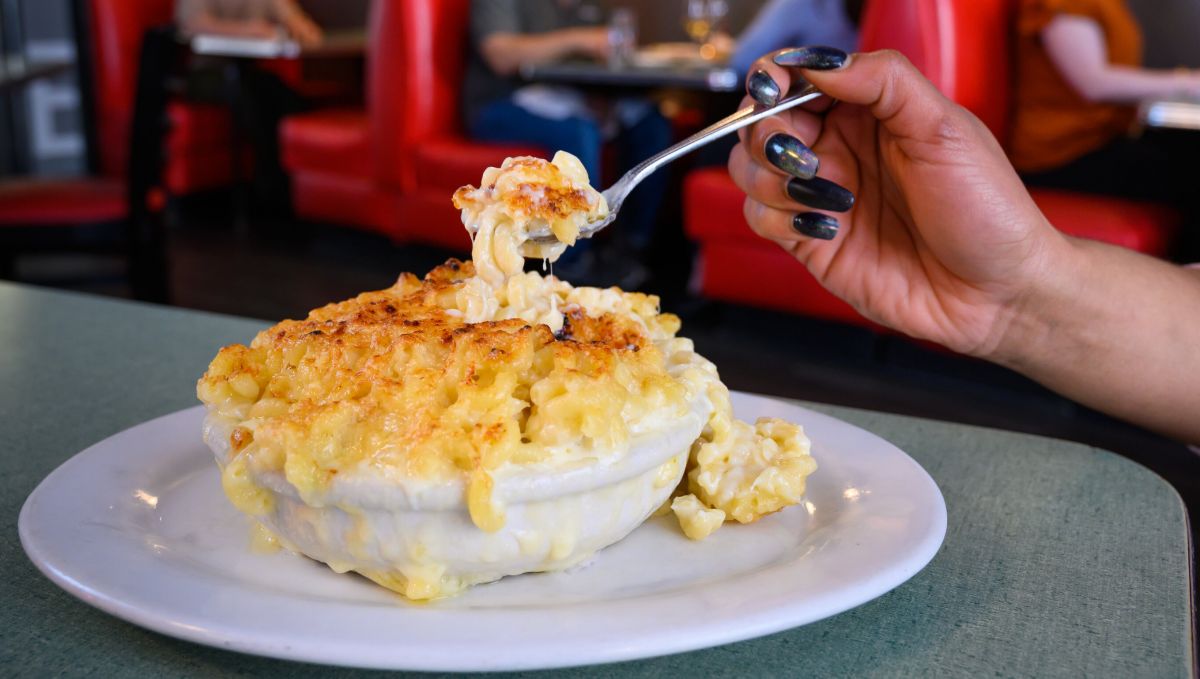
710 78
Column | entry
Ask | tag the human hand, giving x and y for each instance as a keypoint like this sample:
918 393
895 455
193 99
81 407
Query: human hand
1188 82
300 26
256 28
305 31
590 41
935 236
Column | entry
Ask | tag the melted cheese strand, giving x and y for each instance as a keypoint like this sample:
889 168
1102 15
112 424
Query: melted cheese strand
481 368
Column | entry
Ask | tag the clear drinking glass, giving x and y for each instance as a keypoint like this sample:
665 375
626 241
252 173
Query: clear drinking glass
622 37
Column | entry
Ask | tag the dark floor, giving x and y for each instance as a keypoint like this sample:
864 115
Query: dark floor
282 272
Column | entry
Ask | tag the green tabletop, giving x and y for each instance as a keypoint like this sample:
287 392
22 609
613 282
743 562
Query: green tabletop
1059 560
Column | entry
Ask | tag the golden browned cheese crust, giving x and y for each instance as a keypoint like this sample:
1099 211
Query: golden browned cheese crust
547 194
397 380
523 196
389 412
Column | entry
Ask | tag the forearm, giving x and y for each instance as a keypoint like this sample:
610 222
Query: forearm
284 9
1078 49
506 52
1125 85
1116 331
206 23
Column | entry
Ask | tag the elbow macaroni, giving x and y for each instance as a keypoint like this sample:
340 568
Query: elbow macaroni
697 520
523 194
479 370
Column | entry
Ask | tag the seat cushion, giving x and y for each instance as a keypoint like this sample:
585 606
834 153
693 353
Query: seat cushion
447 163
736 265
342 199
1144 227
197 170
62 202
199 147
712 207
713 210
197 126
763 275
427 216
332 142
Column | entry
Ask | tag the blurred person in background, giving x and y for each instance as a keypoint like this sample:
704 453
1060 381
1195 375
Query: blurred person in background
918 220
264 98
499 107
247 19
1079 78
780 23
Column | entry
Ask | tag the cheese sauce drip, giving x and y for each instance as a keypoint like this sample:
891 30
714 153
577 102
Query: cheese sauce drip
526 194
481 367
737 471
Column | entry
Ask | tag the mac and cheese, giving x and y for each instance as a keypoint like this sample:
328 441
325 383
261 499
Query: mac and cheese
343 432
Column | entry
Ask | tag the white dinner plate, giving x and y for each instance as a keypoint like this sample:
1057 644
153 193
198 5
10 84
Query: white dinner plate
137 525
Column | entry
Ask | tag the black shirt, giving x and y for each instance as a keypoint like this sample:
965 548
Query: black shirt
482 86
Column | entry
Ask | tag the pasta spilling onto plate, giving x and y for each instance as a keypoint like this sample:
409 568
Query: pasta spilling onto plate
485 421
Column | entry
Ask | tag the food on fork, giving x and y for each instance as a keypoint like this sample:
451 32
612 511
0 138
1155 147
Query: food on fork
485 421
523 195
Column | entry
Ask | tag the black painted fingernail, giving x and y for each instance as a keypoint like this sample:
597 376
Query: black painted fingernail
815 225
763 88
820 194
816 57
792 156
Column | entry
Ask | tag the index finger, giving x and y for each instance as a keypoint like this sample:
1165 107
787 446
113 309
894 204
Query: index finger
769 81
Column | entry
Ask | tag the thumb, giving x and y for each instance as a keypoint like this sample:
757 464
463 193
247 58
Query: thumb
887 83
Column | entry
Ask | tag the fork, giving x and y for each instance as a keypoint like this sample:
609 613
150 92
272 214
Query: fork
616 194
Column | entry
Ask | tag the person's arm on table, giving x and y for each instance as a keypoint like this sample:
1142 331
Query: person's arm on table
505 53
194 17
944 243
1076 46
198 16
297 23
505 47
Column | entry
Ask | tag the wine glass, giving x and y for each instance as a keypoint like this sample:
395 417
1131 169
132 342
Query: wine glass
622 37
702 20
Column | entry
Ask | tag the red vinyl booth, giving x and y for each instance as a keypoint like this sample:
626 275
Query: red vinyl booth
963 47
197 144
57 214
198 141
393 167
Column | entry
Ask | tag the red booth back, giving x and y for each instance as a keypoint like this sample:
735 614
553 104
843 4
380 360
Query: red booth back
963 46
414 75
117 27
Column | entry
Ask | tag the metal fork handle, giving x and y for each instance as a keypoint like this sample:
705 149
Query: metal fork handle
615 194
732 123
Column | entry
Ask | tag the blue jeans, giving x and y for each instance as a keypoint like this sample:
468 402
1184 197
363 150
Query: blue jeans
504 121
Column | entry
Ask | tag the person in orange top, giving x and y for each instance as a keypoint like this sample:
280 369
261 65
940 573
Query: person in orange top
1079 79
